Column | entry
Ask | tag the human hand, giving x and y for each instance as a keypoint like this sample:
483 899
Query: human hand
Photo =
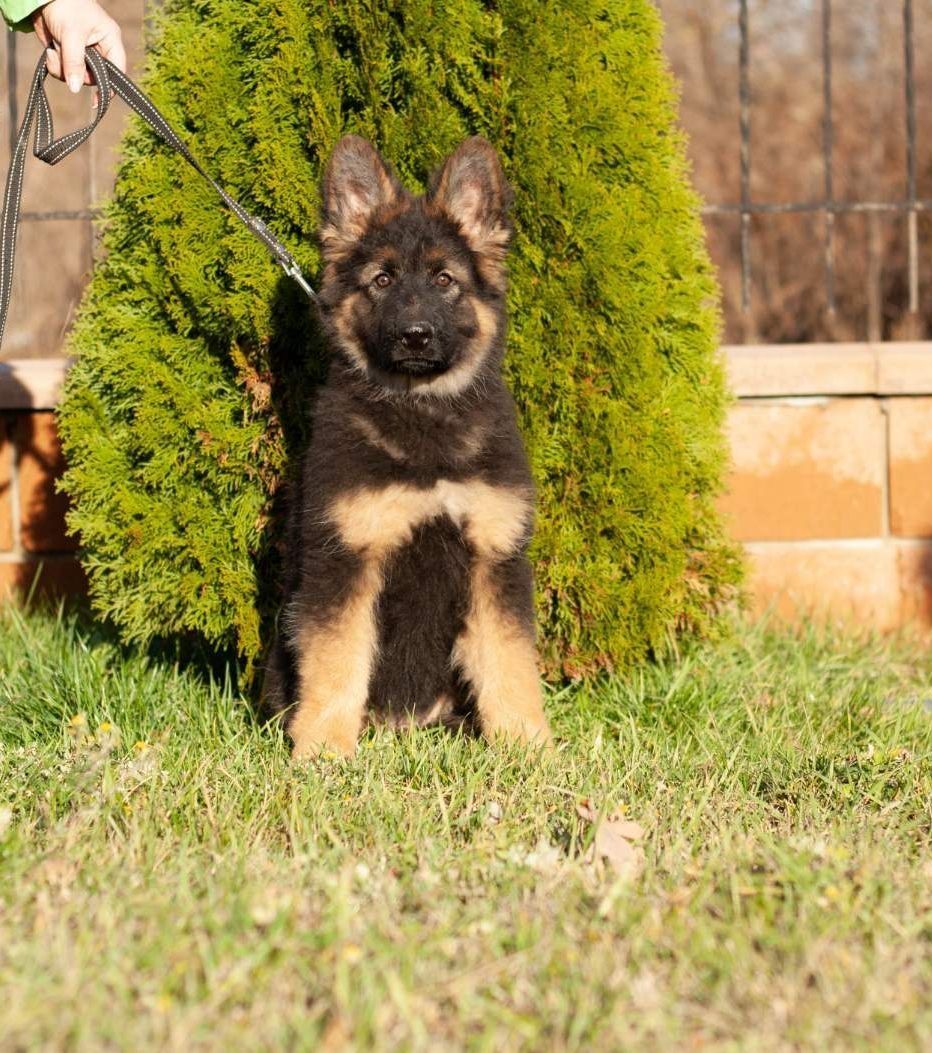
66 28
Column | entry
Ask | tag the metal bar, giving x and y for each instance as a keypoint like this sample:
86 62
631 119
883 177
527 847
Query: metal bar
874 279
744 97
11 108
836 207
827 147
910 100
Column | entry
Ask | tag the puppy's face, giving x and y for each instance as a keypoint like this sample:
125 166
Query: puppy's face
413 287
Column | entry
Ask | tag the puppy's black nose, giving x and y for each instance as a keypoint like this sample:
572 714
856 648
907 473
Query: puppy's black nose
416 337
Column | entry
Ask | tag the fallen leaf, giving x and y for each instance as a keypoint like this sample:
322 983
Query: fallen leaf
543 857
613 841
644 991
263 914
336 1035
57 872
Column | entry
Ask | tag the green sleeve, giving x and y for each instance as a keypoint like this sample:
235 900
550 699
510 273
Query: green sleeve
15 11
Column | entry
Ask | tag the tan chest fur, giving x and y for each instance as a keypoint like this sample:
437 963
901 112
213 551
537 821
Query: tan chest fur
375 521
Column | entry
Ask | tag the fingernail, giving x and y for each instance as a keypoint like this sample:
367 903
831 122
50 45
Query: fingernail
74 82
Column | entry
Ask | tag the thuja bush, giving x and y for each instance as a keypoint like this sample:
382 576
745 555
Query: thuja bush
197 360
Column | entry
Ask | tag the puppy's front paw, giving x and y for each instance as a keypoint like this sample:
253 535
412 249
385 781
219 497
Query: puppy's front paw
311 745
531 731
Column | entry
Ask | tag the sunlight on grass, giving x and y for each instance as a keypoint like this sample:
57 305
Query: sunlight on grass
169 879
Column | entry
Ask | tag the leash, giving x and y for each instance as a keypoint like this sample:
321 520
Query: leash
110 82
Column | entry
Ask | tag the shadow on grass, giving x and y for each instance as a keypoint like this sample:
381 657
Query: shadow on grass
292 366
59 663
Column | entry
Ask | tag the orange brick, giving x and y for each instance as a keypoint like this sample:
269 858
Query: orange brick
914 562
56 578
806 469
42 509
6 481
880 584
910 466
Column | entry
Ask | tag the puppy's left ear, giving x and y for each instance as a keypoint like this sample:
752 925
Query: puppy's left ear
471 189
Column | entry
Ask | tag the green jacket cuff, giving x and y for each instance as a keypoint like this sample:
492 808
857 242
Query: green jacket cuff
16 12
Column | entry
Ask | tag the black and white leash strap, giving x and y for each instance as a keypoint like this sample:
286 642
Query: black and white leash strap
110 81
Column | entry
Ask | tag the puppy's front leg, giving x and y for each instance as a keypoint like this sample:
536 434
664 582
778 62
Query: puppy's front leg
334 660
496 653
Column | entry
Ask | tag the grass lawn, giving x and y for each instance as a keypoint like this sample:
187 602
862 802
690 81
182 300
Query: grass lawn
168 879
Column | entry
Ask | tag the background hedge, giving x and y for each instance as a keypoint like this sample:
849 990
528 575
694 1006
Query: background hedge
197 358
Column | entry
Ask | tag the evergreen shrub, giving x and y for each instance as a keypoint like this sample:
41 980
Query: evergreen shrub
197 358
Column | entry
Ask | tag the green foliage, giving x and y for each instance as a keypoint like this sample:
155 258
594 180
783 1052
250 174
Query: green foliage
197 358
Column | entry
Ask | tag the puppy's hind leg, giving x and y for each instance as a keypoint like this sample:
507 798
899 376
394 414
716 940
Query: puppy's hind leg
277 688
334 660
496 654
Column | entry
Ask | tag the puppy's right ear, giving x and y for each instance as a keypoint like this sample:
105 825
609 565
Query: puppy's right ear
357 183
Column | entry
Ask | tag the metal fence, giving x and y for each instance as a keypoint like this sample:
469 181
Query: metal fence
58 236
829 207
13 115
13 118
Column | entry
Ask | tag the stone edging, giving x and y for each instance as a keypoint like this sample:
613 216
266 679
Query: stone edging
775 370
32 383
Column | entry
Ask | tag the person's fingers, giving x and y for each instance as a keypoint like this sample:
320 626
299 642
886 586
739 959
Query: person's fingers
52 58
53 62
41 29
110 45
72 56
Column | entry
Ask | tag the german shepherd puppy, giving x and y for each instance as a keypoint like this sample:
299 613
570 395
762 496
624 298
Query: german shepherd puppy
411 591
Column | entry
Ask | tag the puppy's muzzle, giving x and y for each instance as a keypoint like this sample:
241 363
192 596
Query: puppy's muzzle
416 350
417 337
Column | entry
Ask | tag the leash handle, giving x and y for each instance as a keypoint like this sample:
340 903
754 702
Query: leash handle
110 82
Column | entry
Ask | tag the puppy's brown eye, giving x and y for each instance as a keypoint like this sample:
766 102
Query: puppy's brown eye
444 278
383 280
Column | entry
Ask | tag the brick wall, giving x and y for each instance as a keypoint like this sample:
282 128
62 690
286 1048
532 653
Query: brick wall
830 490
35 550
831 484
